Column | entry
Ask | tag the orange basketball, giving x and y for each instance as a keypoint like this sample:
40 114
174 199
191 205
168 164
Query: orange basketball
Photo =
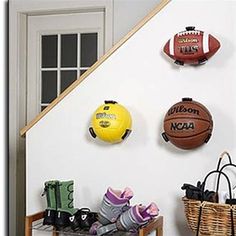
187 124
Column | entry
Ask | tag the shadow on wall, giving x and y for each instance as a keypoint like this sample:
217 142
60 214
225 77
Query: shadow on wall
88 195
180 219
226 51
223 131
139 132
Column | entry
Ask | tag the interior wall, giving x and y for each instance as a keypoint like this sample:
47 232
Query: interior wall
127 13
147 83
17 115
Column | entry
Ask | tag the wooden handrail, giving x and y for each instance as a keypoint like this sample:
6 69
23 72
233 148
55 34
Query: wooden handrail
159 7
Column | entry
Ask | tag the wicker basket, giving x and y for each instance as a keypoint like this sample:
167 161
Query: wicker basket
214 219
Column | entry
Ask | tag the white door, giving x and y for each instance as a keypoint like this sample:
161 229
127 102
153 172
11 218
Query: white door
60 48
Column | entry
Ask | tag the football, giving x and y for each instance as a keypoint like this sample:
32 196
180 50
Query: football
191 47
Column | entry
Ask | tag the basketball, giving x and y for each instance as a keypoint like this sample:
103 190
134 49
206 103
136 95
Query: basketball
111 122
187 124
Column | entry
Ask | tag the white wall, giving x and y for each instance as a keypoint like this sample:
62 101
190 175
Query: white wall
127 13
141 78
17 117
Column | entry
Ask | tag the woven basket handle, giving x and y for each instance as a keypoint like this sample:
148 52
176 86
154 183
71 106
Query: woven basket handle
230 196
223 154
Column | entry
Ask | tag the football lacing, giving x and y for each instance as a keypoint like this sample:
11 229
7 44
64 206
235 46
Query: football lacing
196 32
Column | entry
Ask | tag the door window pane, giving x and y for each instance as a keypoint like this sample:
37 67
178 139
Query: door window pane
88 49
82 71
43 107
49 51
67 78
69 55
69 50
49 86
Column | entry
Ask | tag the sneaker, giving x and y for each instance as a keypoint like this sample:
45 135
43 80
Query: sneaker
137 216
114 203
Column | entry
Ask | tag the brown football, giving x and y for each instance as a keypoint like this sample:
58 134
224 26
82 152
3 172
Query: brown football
191 46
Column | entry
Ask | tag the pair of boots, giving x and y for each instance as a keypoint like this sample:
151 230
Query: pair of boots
116 213
60 207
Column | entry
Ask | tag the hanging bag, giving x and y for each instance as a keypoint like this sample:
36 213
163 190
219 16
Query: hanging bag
217 227
208 218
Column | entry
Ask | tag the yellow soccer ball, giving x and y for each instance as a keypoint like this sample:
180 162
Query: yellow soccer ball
111 122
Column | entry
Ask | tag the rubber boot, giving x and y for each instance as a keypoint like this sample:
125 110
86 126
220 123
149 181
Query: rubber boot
51 210
65 208
83 219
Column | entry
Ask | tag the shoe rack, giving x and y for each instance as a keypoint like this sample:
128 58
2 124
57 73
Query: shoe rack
34 223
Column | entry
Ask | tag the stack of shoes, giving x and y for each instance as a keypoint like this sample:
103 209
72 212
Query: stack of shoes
116 213
60 211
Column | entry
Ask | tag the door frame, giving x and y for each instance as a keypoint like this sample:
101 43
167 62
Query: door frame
78 23
18 14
